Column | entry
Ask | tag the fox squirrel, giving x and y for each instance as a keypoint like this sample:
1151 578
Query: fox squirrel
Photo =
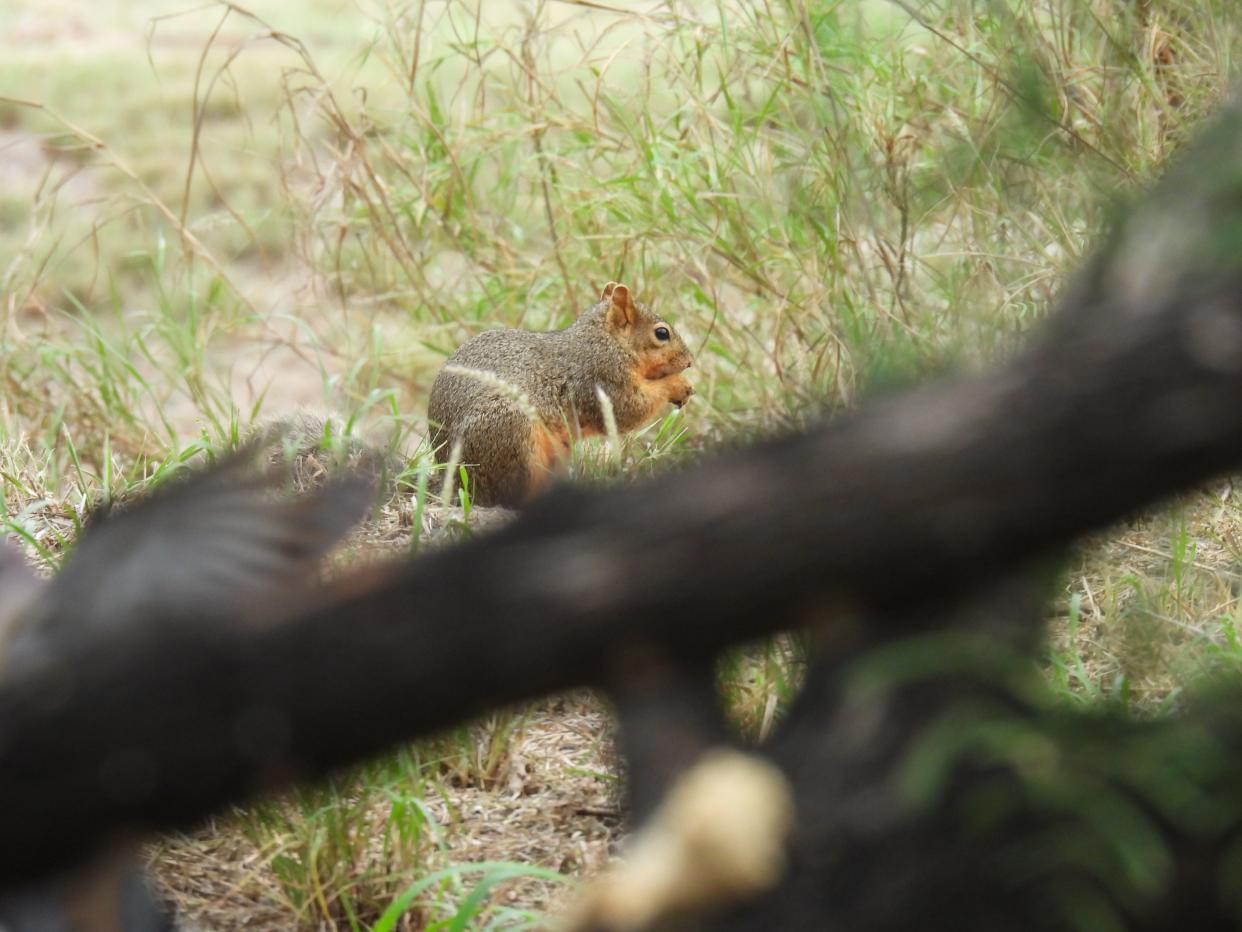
512 401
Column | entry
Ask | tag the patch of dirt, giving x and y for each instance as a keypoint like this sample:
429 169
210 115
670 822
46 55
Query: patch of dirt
24 163
549 809
277 369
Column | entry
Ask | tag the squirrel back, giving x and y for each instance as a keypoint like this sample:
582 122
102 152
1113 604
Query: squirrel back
510 402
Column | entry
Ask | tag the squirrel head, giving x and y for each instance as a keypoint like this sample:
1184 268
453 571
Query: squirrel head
653 342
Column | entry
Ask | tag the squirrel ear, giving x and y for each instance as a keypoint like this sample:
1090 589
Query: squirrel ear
608 291
621 312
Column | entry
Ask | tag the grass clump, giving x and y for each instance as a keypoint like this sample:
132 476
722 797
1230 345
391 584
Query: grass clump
826 196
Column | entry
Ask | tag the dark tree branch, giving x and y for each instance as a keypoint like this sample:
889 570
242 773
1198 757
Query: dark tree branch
1131 394
938 786
669 714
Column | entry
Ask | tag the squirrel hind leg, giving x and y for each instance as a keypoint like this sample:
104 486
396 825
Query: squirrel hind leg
503 457
516 472
550 452
508 458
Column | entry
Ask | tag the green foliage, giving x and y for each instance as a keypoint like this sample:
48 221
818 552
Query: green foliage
1091 800
826 196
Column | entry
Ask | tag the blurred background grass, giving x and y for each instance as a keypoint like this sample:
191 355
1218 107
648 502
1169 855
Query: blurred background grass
218 214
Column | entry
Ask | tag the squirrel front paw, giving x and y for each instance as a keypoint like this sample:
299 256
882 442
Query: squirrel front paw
678 389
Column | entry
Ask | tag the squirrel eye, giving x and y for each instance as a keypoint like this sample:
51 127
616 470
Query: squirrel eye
661 333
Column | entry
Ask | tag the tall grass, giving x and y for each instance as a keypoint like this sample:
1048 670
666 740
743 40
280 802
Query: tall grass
824 195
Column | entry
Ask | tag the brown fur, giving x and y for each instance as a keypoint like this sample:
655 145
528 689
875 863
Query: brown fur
612 345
